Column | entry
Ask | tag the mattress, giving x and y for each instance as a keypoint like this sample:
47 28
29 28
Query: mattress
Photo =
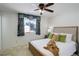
65 49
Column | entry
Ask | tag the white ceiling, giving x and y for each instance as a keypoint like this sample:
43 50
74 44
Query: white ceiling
23 8
29 8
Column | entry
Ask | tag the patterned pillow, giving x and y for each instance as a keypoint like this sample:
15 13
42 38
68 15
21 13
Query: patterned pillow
62 38
55 37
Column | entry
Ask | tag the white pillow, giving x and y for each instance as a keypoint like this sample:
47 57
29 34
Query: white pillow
69 37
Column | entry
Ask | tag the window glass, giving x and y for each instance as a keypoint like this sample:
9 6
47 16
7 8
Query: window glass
29 24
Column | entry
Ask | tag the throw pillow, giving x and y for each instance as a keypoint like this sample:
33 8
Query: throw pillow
50 36
54 37
62 38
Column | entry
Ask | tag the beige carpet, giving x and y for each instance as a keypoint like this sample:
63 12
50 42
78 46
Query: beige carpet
16 51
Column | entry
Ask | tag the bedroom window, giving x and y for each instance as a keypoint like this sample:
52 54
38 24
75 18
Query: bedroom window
29 24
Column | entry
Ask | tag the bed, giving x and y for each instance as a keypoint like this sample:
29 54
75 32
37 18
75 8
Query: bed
66 49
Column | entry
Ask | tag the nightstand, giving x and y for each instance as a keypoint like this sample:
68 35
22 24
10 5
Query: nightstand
46 36
78 49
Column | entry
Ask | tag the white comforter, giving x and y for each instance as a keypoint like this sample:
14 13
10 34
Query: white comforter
65 49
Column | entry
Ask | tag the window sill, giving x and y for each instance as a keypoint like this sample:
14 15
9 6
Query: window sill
30 32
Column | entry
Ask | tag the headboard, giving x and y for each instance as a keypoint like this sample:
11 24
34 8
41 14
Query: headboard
68 29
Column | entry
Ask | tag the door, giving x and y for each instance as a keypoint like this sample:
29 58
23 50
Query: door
0 32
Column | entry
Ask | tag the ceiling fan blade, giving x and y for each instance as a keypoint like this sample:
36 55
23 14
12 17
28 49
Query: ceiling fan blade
49 10
36 9
49 4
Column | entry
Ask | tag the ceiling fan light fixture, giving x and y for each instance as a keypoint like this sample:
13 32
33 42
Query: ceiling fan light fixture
41 12
43 7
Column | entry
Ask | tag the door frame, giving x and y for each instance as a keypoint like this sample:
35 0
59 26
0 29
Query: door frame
1 45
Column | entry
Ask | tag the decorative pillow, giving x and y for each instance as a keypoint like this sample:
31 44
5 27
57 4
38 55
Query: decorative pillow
62 38
50 36
55 37
67 38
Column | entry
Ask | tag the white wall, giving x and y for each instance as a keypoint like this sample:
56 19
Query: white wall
65 15
9 26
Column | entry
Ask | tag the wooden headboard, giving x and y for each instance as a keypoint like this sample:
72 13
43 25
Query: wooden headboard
68 29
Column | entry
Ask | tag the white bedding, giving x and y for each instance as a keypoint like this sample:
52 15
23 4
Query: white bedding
65 49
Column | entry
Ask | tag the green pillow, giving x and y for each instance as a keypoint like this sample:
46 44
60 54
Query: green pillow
62 38
50 36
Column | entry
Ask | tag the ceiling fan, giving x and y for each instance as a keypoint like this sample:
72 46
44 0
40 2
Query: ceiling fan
43 7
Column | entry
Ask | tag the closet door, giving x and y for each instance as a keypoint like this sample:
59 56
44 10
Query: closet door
0 32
